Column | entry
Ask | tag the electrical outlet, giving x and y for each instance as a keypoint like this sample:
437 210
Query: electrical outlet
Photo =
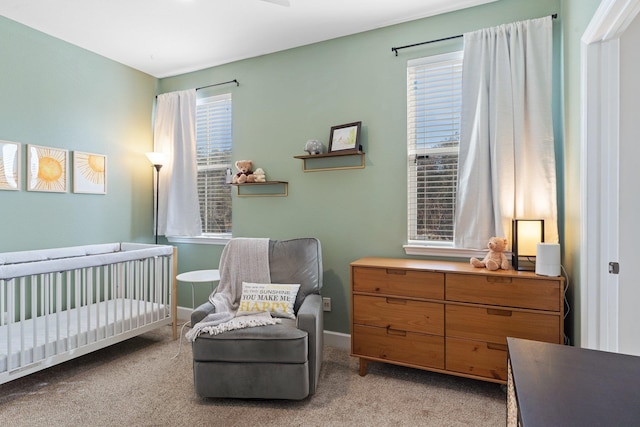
326 304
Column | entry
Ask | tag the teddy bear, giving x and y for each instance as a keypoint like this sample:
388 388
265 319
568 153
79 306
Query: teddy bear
495 258
245 174
259 175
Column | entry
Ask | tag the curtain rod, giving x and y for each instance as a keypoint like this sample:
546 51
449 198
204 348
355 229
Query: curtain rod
219 84
396 49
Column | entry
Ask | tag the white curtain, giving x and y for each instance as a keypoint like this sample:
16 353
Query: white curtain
174 135
507 159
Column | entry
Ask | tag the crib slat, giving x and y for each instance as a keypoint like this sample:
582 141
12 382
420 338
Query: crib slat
159 291
153 288
107 297
23 358
3 302
144 285
130 294
90 296
58 311
46 308
68 309
168 281
11 304
78 307
140 293
99 334
121 276
114 295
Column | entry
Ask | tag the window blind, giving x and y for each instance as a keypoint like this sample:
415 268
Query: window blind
213 144
434 105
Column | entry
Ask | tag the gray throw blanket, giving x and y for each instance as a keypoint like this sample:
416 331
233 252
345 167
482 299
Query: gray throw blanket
242 260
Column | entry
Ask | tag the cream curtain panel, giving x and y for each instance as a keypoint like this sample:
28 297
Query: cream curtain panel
507 160
174 135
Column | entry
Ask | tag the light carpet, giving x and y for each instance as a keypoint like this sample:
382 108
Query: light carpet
138 383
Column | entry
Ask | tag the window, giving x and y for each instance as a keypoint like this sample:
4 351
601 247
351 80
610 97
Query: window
433 132
213 146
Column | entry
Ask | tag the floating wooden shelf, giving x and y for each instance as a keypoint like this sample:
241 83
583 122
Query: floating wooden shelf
330 155
247 185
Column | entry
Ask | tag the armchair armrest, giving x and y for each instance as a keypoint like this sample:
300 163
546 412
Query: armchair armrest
311 320
201 312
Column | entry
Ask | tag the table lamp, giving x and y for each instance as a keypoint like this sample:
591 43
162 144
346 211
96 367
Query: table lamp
526 235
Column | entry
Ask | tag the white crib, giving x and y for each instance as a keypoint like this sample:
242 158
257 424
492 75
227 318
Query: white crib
58 304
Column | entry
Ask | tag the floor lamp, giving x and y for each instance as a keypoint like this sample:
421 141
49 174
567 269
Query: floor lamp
156 159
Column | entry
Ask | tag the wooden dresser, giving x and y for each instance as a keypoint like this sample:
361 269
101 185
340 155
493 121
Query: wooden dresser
449 316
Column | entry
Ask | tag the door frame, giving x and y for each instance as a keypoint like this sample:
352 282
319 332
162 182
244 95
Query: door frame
600 116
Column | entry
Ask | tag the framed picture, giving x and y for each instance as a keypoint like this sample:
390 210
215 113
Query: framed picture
10 165
345 137
89 173
46 169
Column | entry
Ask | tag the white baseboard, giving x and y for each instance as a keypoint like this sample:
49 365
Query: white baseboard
337 339
184 314
333 339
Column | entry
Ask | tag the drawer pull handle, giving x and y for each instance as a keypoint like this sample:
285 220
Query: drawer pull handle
500 347
396 332
498 279
396 301
496 312
397 272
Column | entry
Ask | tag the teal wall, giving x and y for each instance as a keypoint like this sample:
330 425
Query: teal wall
286 98
58 95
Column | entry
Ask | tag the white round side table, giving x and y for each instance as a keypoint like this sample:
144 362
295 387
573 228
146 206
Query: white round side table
198 276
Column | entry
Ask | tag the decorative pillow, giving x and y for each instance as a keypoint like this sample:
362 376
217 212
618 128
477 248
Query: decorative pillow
277 299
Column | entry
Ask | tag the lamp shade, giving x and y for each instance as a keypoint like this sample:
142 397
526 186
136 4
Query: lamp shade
156 158
526 235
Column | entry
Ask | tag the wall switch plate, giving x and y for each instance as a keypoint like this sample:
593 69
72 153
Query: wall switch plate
326 304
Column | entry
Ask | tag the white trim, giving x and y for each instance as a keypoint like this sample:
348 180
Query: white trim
611 20
610 213
590 176
599 173
184 314
337 339
200 240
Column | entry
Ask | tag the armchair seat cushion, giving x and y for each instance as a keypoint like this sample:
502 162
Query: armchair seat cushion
281 343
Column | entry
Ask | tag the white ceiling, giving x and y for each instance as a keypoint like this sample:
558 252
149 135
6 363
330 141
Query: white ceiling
169 37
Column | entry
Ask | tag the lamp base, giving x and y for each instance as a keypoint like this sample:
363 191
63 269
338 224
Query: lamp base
524 263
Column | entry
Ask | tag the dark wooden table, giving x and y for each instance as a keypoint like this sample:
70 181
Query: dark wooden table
558 385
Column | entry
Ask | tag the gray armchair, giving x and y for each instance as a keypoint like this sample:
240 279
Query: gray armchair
279 361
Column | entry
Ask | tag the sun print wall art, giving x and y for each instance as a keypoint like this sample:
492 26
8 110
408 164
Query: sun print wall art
89 173
9 165
46 169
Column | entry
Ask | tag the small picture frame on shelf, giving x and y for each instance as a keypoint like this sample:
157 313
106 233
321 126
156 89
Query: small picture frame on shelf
345 138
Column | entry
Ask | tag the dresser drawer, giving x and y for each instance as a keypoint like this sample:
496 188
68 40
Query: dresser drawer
398 346
496 324
477 358
399 313
504 290
400 282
